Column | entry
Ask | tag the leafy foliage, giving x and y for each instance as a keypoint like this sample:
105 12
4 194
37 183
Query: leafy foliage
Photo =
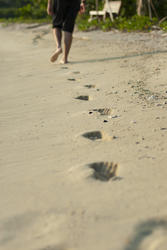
37 8
13 3
23 8
164 26
127 20
34 9
9 12
134 23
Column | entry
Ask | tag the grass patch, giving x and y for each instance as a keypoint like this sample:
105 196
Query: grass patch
163 26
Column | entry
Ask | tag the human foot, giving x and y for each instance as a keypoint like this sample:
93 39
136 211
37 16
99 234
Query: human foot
56 55
63 61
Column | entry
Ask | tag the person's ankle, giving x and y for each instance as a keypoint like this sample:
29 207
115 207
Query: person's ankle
59 48
64 60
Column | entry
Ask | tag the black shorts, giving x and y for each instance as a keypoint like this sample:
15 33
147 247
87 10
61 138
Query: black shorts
65 13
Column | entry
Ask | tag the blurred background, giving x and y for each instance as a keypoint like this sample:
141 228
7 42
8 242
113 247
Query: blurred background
35 10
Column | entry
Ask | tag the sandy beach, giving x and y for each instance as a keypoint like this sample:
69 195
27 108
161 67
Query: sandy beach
62 125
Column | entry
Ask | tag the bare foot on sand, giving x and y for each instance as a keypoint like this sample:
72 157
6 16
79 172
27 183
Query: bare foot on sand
64 61
56 55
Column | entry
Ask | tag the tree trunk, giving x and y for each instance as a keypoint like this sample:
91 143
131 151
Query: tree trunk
139 7
149 8
97 9
97 5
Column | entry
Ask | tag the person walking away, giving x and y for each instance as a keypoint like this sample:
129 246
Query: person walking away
64 13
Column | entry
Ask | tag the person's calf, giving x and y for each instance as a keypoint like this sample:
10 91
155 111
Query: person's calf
67 46
57 34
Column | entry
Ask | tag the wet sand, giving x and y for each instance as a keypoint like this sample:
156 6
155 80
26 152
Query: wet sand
83 146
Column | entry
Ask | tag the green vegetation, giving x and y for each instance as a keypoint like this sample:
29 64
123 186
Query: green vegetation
24 9
35 11
134 23
8 13
163 26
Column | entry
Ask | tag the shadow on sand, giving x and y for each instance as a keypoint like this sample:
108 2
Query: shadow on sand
144 230
121 57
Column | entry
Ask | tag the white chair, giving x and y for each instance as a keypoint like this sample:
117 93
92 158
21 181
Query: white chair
110 7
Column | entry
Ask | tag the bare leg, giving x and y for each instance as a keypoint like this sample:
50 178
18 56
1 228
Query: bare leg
57 34
67 46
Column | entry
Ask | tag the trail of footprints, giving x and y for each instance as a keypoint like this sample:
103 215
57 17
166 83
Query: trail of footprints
103 171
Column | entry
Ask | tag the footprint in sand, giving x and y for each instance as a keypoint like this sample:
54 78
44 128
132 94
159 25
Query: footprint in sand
149 235
104 111
84 97
104 171
90 86
64 67
96 135
163 128
36 39
72 79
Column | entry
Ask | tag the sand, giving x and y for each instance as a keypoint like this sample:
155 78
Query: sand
51 196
